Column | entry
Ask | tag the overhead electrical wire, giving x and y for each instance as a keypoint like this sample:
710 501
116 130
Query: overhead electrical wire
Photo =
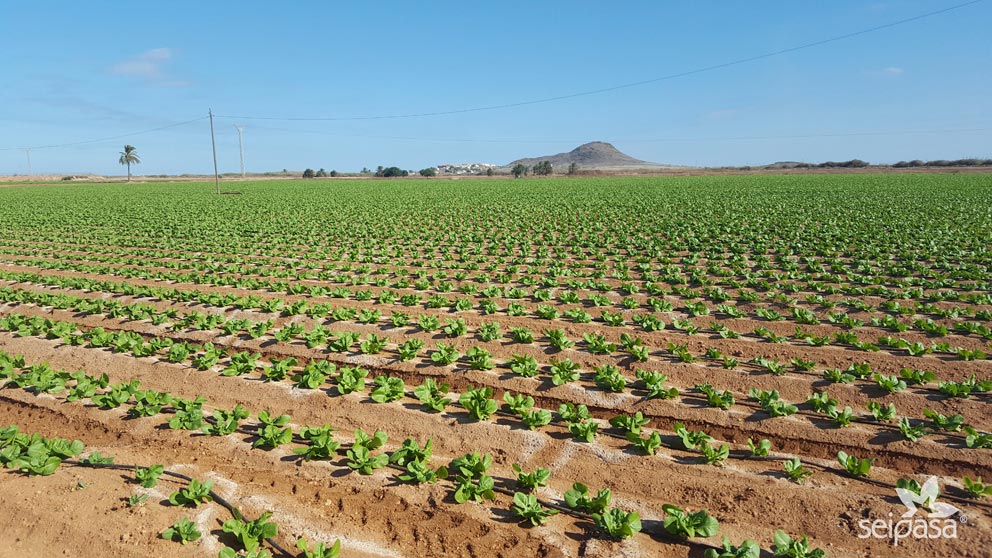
97 140
632 140
695 71
566 96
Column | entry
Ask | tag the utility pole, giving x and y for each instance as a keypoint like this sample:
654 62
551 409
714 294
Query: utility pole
27 151
213 143
241 147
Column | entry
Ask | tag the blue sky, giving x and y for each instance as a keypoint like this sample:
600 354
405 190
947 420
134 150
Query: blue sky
76 71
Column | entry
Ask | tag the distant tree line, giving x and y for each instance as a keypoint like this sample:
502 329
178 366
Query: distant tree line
852 164
544 168
858 163
320 173
381 172
390 172
944 163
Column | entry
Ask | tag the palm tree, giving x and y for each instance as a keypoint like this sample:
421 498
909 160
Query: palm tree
129 156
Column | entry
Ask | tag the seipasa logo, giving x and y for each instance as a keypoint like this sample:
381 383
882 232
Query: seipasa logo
939 522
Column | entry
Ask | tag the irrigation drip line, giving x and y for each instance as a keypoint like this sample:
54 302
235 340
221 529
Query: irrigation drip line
746 403
237 514
246 430
756 366
866 480
213 495
250 432
507 492
953 435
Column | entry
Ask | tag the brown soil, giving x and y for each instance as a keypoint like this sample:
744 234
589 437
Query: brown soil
376 516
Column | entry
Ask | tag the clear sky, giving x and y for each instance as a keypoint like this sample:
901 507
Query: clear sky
74 71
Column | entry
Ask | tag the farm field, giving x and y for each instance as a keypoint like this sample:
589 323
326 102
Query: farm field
438 368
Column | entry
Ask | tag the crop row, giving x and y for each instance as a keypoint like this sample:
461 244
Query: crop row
631 348
632 294
188 415
607 377
646 322
479 402
724 217
469 475
435 272
33 454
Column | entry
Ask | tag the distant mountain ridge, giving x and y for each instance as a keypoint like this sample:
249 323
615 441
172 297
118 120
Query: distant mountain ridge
590 156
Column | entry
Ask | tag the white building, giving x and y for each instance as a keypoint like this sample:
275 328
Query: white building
465 168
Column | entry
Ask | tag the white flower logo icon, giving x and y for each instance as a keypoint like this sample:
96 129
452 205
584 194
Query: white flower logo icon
927 499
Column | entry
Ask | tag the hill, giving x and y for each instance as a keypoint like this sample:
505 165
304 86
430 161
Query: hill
597 155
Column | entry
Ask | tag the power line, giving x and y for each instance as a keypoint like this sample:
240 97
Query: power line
83 142
634 140
552 99
625 85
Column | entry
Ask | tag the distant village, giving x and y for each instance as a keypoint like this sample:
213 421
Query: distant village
465 168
